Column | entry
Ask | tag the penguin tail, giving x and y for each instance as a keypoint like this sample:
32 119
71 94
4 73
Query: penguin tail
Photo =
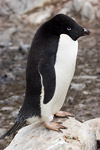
13 129
98 143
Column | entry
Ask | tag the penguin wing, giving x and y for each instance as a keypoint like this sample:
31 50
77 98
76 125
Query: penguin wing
47 72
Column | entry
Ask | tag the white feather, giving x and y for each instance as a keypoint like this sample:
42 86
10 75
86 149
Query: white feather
64 69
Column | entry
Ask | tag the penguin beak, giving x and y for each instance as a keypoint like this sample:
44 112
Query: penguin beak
86 32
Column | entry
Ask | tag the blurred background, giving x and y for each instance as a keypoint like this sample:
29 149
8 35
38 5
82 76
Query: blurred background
19 20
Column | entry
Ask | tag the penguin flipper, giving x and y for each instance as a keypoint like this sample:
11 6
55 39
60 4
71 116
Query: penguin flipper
13 129
47 72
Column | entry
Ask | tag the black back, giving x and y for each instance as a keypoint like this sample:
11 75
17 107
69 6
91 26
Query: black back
41 60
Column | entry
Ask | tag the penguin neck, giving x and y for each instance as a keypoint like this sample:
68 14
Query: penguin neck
67 49
68 39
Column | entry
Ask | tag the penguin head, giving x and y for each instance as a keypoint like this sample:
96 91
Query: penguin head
62 24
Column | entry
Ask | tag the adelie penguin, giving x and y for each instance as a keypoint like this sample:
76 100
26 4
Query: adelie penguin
50 69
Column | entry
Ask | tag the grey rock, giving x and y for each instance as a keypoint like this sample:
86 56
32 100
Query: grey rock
67 10
88 11
2 101
78 4
86 93
40 16
98 14
14 98
2 142
5 37
7 108
2 131
80 106
95 125
91 100
13 48
94 2
70 100
14 113
77 136
84 77
24 48
24 6
4 9
78 87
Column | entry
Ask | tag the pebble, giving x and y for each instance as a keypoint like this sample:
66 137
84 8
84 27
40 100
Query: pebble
14 113
70 100
84 77
2 131
89 100
80 106
7 108
14 98
78 87
22 47
86 92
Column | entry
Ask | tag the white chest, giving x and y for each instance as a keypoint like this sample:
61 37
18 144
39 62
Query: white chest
64 69
66 54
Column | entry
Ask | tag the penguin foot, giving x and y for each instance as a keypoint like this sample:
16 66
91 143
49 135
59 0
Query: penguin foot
56 126
63 114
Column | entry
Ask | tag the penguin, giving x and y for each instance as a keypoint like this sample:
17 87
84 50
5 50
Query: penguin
50 69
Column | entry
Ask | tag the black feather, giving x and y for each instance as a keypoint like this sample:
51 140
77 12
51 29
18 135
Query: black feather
98 143
13 129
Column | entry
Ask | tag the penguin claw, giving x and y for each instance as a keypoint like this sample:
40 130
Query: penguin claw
59 122
60 131
63 114
56 126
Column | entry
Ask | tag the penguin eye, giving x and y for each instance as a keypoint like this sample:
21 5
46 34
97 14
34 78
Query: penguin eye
68 28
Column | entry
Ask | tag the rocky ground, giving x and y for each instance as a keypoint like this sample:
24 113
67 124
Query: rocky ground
16 33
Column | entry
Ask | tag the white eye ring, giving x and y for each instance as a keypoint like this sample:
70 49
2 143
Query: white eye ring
68 28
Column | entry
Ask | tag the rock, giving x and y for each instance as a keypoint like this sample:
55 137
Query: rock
98 14
81 106
7 108
85 8
67 10
14 113
88 11
2 131
86 93
77 136
89 100
95 125
40 16
78 87
63 11
70 100
94 2
22 47
78 4
2 142
4 9
23 6
14 98
85 77
5 37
